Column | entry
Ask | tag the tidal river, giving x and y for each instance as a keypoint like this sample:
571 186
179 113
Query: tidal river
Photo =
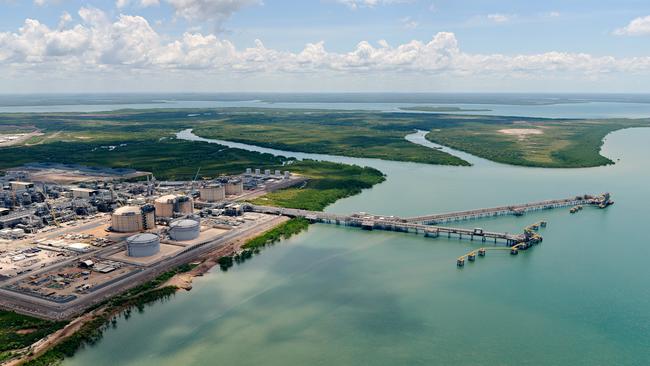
342 296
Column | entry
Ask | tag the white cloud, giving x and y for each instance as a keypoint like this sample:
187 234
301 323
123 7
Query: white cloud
129 43
637 27
209 10
64 19
554 14
499 18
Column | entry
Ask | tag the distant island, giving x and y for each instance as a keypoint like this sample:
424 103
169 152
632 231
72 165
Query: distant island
442 109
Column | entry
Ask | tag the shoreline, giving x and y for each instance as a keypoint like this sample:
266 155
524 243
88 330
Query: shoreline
208 261
179 281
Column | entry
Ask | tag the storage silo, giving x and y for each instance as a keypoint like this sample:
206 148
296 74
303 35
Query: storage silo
184 205
165 205
130 219
142 245
235 187
212 193
183 230
127 219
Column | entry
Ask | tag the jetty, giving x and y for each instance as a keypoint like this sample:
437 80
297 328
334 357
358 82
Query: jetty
428 225
601 200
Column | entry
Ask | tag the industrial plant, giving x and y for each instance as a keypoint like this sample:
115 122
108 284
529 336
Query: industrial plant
65 246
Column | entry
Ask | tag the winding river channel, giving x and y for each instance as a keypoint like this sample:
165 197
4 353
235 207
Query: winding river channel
342 296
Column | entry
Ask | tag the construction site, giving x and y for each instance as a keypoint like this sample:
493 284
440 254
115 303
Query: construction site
65 247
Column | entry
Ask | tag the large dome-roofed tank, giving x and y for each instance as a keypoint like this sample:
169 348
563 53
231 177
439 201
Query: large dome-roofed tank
165 205
234 187
142 245
184 230
130 219
184 205
212 193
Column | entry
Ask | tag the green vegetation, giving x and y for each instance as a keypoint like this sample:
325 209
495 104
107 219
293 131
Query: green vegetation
534 142
145 140
19 331
356 134
167 159
328 183
284 231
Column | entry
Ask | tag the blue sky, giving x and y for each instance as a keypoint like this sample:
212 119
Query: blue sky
324 45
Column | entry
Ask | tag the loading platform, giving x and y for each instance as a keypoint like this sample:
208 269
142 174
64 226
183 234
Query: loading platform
601 200
429 225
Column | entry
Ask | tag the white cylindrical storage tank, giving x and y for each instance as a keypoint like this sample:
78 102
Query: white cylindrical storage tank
249 171
287 174
184 205
267 172
165 205
213 193
278 173
257 171
183 230
127 219
142 245
235 187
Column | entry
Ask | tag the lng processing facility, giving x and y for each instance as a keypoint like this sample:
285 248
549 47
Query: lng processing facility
66 247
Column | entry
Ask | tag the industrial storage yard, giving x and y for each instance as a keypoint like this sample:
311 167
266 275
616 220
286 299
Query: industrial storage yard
66 247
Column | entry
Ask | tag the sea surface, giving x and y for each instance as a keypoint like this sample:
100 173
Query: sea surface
343 296
524 105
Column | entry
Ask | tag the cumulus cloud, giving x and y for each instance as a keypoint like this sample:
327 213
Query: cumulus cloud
208 10
637 27
128 43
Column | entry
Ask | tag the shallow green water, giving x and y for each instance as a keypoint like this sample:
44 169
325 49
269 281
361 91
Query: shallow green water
341 296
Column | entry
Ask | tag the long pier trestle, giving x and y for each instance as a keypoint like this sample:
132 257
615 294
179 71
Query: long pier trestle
429 224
